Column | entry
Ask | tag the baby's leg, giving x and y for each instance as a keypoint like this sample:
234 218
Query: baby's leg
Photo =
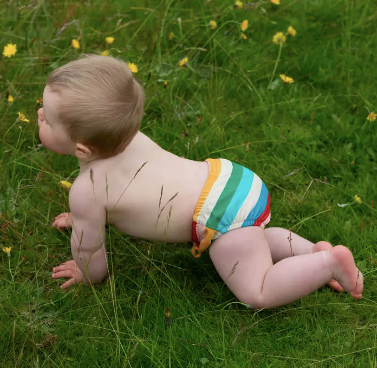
284 243
242 258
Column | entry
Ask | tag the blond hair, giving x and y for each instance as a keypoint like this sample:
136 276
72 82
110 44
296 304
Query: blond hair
101 102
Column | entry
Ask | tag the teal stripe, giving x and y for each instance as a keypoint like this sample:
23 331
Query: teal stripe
225 197
259 208
237 201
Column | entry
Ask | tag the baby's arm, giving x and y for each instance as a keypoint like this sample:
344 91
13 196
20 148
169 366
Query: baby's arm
88 240
88 244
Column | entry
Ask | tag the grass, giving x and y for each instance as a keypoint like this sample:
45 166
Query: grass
309 141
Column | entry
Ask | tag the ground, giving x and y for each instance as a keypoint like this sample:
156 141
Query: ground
310 141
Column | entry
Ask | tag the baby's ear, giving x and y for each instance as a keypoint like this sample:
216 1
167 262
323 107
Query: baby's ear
82 151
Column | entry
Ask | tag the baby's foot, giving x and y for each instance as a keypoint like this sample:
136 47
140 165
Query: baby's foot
346 271
323 246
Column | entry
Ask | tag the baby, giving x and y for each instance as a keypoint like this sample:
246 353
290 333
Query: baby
93 108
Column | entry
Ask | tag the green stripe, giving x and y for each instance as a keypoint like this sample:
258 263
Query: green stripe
225 197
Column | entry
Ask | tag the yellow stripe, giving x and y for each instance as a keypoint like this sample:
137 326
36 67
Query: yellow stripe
214 173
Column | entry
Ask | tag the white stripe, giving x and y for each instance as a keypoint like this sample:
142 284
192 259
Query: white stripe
249 203
215 192
217 234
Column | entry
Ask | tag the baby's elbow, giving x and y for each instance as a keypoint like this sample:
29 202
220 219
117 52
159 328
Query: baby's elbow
94 278
99 278
94 273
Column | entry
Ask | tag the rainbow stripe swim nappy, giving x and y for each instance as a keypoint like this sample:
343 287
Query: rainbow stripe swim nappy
232 197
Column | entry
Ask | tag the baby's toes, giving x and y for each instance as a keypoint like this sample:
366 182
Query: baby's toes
359 286
335 286
322 246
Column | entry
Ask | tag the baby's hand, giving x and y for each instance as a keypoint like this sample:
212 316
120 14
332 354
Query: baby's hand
68 269
62 221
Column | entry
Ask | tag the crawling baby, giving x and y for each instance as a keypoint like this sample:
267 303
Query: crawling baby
92 109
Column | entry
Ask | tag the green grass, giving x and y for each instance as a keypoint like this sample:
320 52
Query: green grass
218 106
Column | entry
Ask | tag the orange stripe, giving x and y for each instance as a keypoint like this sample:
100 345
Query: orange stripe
205 243
197 250
214 173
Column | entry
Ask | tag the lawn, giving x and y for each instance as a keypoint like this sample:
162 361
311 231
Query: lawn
310 141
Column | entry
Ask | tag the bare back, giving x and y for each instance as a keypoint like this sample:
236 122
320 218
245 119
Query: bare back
146 191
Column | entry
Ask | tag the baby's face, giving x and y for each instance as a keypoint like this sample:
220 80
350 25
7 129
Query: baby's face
52 133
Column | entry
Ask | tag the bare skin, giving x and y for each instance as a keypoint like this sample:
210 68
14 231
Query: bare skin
150 193
243 259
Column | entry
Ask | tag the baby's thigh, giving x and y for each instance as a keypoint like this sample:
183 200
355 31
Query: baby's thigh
242 258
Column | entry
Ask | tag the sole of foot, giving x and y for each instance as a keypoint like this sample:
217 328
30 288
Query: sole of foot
323 246
347 274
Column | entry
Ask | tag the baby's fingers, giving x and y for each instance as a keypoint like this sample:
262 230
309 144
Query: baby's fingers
64 214
60 223
69 265
55 223
68 283
65 273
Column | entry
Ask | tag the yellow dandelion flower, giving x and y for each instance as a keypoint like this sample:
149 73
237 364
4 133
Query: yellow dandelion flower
65 184
238 4
22 117
10 98
171 36
279 38
40 101
275 2
105 53
7 250
165 84
110 40
133 68
244 25
358 199
291 31
212 24
182 63
243 36
372 116
286 80
75 44
10 50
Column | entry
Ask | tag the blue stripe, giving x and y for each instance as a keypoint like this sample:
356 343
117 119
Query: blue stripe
258 208
238 199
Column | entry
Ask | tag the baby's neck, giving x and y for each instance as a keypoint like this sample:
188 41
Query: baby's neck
137 148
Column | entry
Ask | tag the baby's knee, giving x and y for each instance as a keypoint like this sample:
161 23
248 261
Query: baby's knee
255 302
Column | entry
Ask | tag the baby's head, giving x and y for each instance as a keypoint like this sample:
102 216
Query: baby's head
91 107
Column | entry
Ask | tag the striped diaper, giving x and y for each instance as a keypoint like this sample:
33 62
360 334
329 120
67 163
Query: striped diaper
232 197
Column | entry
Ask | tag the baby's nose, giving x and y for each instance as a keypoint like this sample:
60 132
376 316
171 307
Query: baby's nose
40 113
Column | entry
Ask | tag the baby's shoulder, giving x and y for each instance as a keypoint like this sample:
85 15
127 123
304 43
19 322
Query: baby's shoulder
86 191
